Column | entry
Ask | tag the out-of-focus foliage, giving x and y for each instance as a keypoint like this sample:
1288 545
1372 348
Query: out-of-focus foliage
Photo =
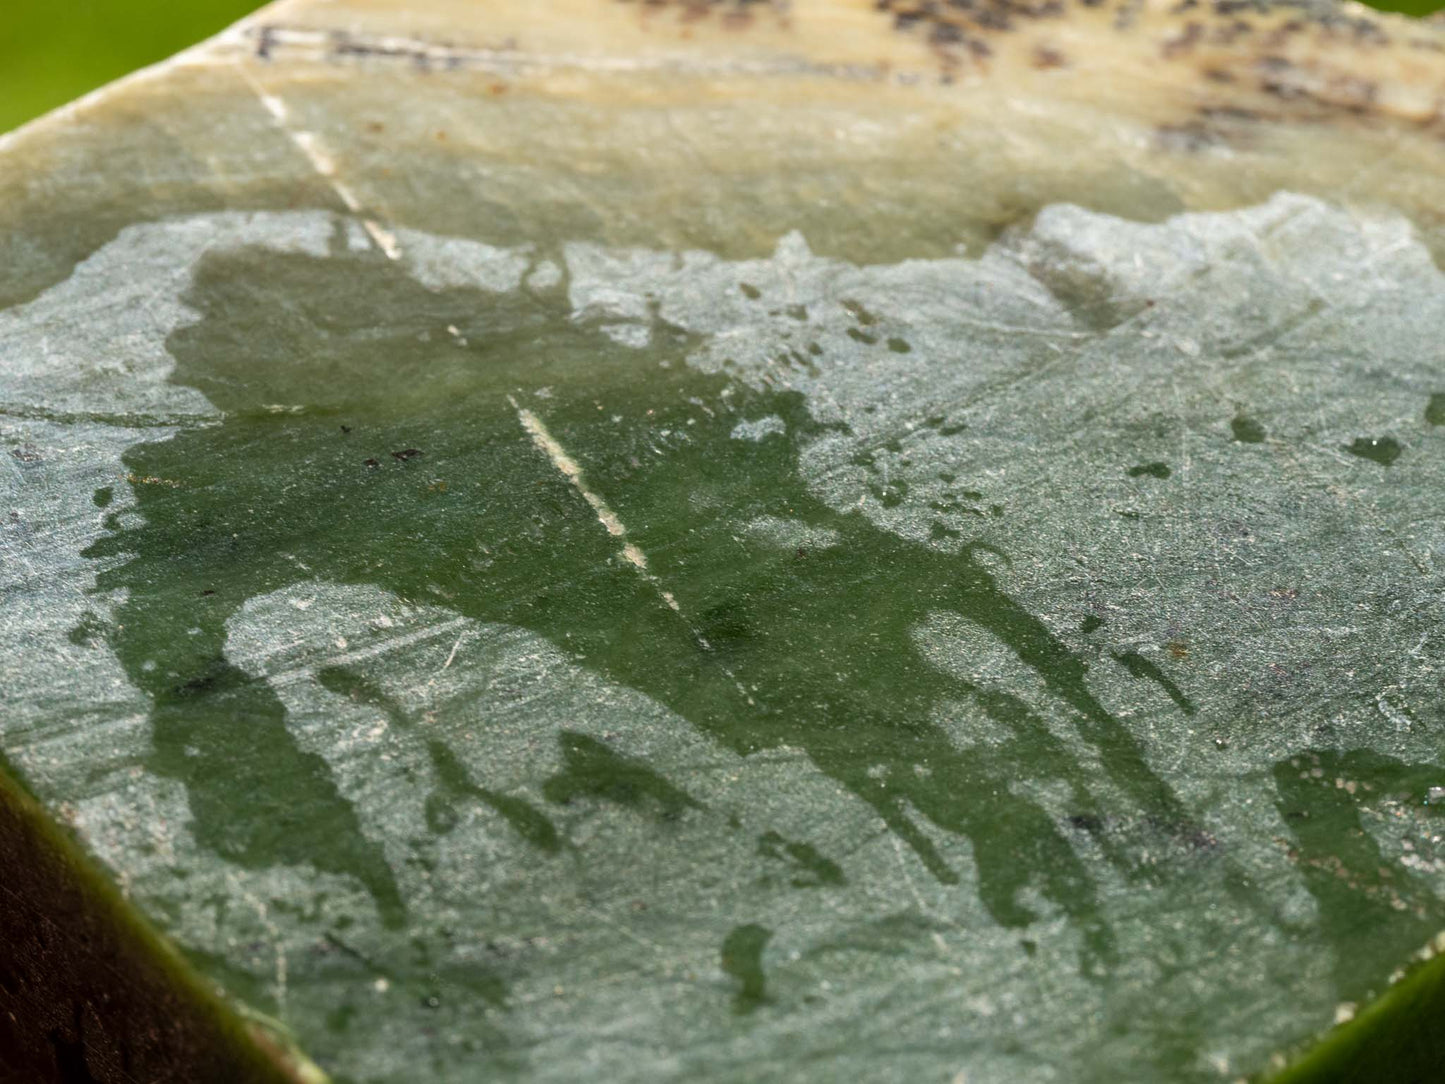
54 50
1409 7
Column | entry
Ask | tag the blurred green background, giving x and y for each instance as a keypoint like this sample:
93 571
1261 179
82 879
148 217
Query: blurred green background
54 50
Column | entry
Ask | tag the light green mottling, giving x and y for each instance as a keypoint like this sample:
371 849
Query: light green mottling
926 726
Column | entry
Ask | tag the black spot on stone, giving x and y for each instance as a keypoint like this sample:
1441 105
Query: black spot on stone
1086 822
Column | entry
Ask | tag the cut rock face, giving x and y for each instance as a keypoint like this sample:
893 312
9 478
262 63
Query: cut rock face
499 612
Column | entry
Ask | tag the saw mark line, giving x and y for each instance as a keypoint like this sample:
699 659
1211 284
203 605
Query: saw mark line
549 446
321 160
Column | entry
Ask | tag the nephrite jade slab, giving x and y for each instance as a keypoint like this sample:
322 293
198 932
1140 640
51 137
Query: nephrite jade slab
745 541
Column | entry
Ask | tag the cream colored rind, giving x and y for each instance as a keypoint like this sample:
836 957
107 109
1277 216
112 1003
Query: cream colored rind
880 130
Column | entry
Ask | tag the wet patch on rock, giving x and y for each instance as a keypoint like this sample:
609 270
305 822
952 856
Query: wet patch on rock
1150 470
1246 430
742 959
1381 450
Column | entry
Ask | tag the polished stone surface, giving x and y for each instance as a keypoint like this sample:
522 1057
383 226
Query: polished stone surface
743 542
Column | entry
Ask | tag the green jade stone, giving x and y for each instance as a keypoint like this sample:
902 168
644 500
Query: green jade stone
496 657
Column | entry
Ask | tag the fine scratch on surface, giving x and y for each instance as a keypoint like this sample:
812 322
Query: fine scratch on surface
278 943
306 44
306 673
451 656
923 908
323 163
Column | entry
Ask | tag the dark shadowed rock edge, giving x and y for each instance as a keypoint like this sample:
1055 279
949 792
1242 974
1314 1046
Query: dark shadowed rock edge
88 993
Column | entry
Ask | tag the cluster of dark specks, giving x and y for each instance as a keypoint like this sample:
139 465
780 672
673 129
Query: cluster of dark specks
1337 20
1225 24
1282 79
1266 57
1255 40
731 13
960 31
1224 32
956 28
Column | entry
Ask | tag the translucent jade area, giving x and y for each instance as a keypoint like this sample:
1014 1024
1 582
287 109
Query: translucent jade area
791 646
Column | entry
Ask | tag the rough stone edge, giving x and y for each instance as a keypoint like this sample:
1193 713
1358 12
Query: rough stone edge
91 991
